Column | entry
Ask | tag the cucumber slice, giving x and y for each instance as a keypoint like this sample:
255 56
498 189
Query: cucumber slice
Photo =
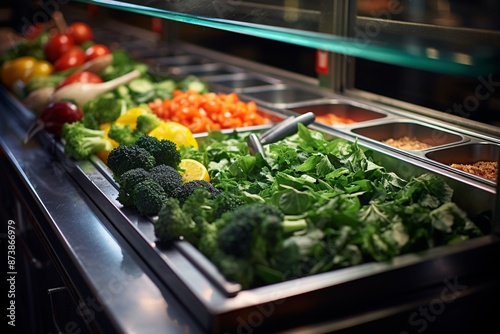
122 91
145 97
168 85
197 86
140 86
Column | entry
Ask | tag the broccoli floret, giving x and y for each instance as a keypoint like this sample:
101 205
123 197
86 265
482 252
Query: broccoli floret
236 238
148 197
146 123
127 182
235 269
164 150
166 176
173 223
254 224
207 243
82 142
195 225
123 134
90 122
124 158
187 189
255 234
225 202
106 108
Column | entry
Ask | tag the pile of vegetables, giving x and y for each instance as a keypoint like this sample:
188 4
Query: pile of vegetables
208 111
62 50
309 206
148 173
38 69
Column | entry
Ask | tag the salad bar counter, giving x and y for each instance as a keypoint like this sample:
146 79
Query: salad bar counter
348 215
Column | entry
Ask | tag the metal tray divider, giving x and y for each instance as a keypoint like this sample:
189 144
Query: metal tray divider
496 208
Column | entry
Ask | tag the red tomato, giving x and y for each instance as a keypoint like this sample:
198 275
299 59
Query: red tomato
81 32
85 77
57 45
73 57
95 51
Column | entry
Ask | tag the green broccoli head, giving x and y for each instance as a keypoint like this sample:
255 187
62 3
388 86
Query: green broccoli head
106 108
146 123
226 201
148 197
183 192
123 135
127 182
89 121
81 142
127 157
207 243
166 176
235 269
243 226
236 238
173 223
164 150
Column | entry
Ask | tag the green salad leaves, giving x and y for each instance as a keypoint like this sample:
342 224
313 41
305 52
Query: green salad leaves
355 210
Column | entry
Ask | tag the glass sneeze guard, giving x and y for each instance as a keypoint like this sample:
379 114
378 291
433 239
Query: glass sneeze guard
379 38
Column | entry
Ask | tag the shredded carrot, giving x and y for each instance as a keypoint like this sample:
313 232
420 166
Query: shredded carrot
208 111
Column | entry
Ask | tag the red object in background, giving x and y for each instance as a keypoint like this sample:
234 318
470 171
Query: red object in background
73 57
95 51
33 31
322 62
156 25
92 9
85 77
81 32
57 45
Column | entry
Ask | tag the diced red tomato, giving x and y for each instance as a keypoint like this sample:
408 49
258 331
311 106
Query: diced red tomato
208 111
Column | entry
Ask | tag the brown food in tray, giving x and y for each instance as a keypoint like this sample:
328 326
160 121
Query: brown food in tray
486 169
407 143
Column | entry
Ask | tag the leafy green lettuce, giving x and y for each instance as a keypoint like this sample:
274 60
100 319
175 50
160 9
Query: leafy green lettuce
356 210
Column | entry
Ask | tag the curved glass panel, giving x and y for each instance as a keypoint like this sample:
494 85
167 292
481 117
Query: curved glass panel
427 35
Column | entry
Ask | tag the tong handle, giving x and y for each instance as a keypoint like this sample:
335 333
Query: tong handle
286 128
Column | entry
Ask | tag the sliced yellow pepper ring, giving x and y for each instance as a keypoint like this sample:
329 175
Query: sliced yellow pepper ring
130 117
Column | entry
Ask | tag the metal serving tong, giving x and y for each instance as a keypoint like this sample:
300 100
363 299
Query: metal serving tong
280 131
